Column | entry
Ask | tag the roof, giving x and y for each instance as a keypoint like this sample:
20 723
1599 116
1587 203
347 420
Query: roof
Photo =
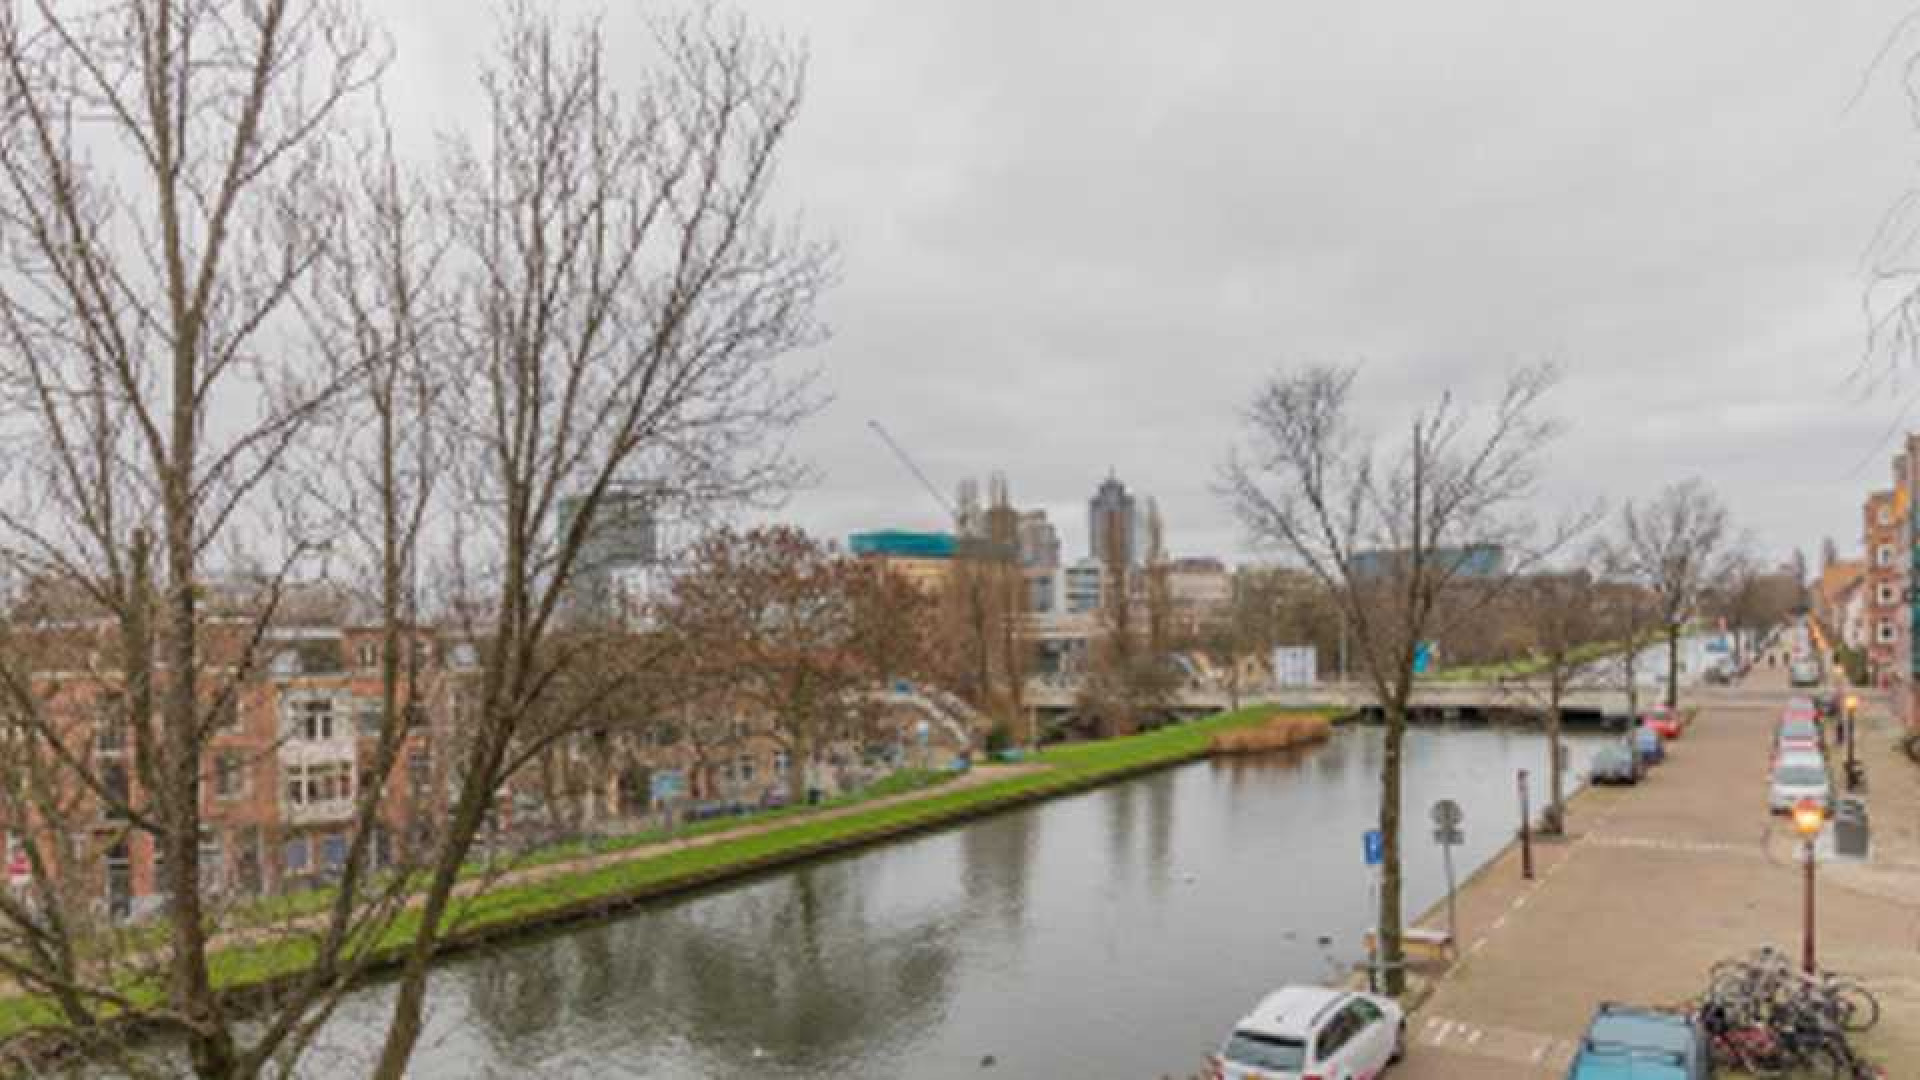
1625 1043
900 543
1290 1010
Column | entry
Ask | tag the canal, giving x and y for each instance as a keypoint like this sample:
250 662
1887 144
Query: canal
1110 934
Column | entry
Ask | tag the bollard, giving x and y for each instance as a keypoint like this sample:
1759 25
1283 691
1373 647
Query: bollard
1526 831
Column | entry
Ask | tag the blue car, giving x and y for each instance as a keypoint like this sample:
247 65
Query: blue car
1648 744
1628 1043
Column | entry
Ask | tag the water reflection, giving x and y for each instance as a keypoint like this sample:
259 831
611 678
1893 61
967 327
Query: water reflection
1105 934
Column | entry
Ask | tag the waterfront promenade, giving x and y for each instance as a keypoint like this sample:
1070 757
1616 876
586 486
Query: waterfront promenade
1653 884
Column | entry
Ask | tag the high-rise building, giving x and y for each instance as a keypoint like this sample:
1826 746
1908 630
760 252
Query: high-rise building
1039 540
1112 518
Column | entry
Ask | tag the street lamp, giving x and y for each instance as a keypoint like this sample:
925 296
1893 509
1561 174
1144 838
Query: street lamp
1853 763
1808 817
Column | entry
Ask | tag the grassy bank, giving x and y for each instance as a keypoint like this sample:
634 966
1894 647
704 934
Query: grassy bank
596 891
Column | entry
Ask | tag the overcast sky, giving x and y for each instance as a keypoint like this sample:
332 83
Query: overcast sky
1077 235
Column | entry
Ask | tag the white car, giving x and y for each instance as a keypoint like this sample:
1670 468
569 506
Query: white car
1302 1032
1799 775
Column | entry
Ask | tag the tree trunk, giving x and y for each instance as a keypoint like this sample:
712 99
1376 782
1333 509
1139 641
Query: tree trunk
405 1026
1673 665
1392 955
1554 822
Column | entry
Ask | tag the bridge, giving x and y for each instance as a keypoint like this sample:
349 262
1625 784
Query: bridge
1058 693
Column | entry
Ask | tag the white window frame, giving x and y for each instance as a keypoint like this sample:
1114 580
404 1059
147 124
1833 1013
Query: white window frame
1884 514
1884 632
1885 595
308 710
1883 555
241 774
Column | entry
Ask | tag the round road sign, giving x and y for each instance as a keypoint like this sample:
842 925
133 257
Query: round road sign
1446 814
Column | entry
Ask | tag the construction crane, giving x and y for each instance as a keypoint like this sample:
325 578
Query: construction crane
951 510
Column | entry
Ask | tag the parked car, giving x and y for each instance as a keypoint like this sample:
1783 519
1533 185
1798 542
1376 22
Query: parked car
1799 776
1309 1031
1796 736
1651 748
1623 1041
1804 672
1616 763
1664 720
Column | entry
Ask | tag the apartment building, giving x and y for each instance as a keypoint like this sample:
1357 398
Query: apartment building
1885 582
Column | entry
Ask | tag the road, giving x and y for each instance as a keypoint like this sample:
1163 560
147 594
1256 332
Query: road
1652 885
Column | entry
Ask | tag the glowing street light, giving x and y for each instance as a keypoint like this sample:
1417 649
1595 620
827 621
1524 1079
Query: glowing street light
1808 817
1853 763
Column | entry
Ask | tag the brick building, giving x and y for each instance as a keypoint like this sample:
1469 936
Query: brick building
1885 582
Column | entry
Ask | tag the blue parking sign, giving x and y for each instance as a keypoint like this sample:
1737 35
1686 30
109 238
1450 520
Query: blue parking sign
1375 846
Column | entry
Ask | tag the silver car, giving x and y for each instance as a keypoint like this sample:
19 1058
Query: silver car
1799 776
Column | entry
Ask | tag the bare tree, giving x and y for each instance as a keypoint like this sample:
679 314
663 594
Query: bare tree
622 294
1562 615
1128 683
165 166
802 637
1406 542
1676 544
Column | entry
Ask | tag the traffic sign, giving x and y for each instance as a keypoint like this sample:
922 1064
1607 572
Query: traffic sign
1376 847
1447 835
1446 814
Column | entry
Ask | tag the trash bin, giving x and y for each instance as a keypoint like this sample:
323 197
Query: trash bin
1850 830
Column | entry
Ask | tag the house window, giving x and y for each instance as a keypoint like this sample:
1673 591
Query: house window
311 784
1884 514
1883 555
1884 632
367 717
369 654
333 852
113 779
1883 595
210 868
110 736
313 719
419 772
229 777
743 770
294 855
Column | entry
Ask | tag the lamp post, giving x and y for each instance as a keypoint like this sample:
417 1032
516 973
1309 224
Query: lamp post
1807 818
1853 763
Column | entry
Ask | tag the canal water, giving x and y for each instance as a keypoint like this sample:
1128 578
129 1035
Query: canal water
1111 934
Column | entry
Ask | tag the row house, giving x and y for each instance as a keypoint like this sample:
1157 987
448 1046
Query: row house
290 746
1892 582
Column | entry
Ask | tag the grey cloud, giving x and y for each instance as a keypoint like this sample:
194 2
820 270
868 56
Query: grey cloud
1077 235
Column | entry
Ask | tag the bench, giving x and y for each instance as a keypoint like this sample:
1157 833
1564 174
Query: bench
1420 943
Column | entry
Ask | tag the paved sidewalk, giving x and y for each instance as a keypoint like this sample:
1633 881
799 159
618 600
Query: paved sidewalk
1656 882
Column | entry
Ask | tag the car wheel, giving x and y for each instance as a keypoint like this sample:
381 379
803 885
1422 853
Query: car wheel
1399 1044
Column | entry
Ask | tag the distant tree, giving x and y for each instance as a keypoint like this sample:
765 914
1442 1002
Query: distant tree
1751 598
1676 545
1560 615
1127 684
772 620
984 599
1387 535
1246 629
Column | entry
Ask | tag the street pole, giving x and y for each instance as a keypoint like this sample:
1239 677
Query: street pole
1853 763
1453 926
1526 831
1806 940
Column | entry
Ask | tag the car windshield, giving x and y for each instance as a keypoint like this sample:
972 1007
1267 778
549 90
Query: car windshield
1611 757
1799 729
1265 1051
1800 776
